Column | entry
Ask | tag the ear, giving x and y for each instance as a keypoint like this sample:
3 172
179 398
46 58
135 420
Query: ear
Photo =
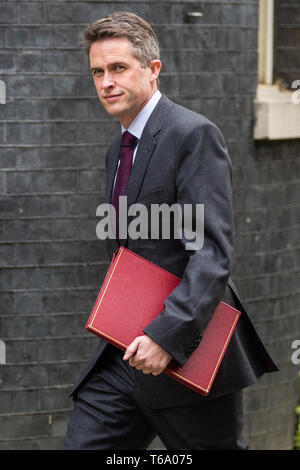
155 66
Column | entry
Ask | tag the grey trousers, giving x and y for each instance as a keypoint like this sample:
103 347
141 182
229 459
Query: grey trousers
110 414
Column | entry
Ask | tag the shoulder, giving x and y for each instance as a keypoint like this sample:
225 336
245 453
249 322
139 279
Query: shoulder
185 125
186 121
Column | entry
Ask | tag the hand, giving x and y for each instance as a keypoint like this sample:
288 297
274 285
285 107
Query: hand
146 355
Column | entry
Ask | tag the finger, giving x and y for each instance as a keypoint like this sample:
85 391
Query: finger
133 363
147 372
131 350
157 372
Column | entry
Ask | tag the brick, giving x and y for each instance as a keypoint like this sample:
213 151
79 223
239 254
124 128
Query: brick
260 400
247 83
269 285
58 252
208 84
33 229
2 36
7 302
24 425
28 302
66 372
189 61
90 11
200 37
41 133
63 132
72 300
26 157
9 111
75 228
29 61
30 36
26 278
75 13
64 61
251 38
41 182
258 423
25 375
265 196
2 182
91 180
84 156
31 12
33 86
21 401
7 254
12 328
249 243
53 399
68 324
25 133
232 62
77 85
57 205
34 109
60 350
1 131
231 15
82 204
7 61
21 351
9 13
248 15
66 109
279 172
98 132
267 308
68 35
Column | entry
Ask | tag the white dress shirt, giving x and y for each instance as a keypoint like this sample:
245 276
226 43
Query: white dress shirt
137 126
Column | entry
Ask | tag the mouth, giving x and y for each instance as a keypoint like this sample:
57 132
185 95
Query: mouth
111 98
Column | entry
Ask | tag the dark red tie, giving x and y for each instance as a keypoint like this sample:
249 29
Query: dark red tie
126 155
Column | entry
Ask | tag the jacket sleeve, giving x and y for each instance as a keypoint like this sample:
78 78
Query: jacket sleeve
203 177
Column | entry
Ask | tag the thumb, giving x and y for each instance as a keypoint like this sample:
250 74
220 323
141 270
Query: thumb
131 349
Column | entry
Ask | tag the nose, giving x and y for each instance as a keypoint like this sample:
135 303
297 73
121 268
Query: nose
107 81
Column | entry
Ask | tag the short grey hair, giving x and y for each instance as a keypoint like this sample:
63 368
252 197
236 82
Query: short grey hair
128 25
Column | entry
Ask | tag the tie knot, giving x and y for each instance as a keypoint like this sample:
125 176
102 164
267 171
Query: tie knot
128 140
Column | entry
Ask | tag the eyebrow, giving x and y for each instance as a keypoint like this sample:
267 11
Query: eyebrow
110 65
95 68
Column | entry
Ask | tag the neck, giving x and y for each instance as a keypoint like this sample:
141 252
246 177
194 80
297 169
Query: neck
127 120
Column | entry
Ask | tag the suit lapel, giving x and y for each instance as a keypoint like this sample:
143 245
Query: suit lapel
112 163
146 147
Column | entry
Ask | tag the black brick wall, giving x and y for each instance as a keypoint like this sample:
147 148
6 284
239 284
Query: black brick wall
53 137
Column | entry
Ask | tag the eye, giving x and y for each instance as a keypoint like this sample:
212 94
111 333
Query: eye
97 72
119 68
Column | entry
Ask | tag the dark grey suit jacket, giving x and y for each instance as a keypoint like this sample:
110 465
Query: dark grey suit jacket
182 158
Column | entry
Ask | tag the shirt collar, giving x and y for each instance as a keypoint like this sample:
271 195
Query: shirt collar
137 126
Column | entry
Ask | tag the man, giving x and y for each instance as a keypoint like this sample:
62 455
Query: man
123 400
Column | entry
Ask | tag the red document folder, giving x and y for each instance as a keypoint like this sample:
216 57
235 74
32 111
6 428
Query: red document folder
133 294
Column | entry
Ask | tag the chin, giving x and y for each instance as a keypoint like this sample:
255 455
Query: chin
113 111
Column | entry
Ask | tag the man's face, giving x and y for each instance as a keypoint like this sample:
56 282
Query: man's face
123 86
